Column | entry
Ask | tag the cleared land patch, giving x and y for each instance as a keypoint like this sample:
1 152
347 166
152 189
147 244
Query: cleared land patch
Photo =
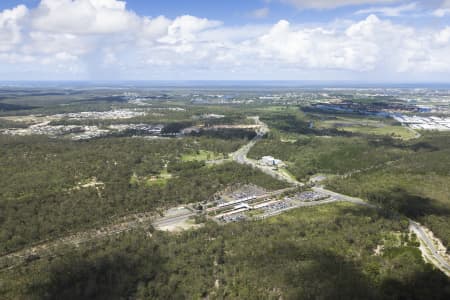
203 155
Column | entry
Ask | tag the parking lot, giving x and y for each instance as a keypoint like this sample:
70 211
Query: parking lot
310 196
270 205
232 218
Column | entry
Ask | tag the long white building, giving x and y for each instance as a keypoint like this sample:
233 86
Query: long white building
424 123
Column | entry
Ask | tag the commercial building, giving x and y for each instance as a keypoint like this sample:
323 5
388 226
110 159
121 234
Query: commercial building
271 161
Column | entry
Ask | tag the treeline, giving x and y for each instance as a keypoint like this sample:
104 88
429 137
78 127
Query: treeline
11 107
11 124
334 155
299 123
228 119
226 134
324 252
45 189
416 186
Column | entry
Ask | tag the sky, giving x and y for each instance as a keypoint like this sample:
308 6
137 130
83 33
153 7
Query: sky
357 40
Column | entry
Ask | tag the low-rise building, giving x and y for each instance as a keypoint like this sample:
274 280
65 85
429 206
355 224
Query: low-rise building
271 161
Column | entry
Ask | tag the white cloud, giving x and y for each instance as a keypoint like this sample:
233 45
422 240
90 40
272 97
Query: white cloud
51 43
327 4
443 36
389 11
443 10
155 28
185 28
317 48
84 16
395 45
10 28
366 46
143 47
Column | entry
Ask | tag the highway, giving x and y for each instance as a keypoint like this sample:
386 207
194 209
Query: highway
172 221
240 156
432 254
430 251
48 248
141 220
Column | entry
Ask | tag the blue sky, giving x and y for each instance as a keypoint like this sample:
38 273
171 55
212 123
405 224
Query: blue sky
391 40
238 12
233 12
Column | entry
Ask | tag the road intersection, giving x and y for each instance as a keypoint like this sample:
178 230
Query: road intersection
145 220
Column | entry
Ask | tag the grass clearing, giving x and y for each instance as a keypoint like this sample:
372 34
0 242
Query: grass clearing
202 155
160 179
287 173
398 132
372 126
320 213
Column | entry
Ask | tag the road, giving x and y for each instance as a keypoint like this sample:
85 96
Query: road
341 197
48 248
416 133
428 248
134 221
240 156
431 253
172 221
141 220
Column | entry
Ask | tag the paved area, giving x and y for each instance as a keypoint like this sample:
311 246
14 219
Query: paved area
428 248
240 156
180 217
342 197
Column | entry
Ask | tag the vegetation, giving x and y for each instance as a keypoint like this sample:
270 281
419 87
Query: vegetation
42 193
12 107
335 155
408 177
227 134
364 126
416 186
202 155
11 124
54 187
324 252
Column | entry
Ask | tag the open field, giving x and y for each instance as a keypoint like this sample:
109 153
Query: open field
392 131
365 125
167 214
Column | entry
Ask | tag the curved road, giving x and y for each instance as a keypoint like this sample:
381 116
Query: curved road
433 254
240 156
138 220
